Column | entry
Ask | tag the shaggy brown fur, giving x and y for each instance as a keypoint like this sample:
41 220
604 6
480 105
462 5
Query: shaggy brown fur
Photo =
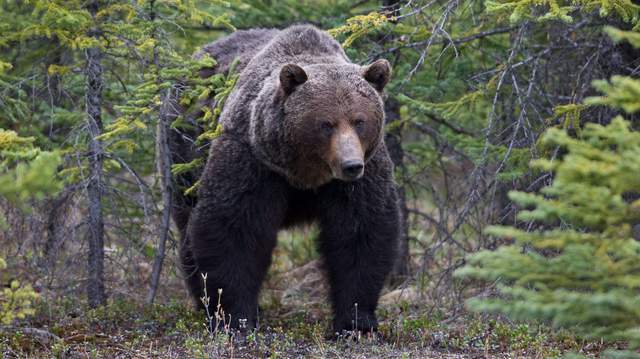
301 141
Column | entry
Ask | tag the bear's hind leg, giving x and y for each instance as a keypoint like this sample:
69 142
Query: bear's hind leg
190 272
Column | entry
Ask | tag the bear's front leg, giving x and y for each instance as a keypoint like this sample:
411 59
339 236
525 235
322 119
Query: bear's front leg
359 228
232 230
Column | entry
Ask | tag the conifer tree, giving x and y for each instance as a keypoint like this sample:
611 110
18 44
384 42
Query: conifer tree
581 270
26 174
111 61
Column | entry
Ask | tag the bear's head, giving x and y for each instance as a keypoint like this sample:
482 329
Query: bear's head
333 117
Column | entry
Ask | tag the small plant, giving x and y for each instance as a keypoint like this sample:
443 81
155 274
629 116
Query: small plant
59 349
196 347
16 301
217 318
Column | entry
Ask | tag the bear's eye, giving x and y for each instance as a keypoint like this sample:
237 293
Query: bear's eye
327 127
358 123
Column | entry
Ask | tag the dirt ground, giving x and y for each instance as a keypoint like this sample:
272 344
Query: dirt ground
294 323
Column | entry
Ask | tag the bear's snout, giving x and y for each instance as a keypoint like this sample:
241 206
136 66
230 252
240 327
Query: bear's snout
348 162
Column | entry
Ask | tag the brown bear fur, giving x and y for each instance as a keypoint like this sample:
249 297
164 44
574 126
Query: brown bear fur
301 142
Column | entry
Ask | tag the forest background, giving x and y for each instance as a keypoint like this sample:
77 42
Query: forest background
512 125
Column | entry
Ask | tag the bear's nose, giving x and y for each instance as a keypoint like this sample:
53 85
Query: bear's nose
352 169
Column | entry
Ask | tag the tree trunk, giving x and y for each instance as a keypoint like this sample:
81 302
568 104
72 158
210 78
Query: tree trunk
57 211
393 140
163 160
95 234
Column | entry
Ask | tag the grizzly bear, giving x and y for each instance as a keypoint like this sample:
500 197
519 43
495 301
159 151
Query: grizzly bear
301 142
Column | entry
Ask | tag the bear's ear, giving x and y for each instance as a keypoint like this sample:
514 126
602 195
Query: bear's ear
291 76
378 73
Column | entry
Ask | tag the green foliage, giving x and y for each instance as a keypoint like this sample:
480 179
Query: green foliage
582 275
622 92
162 67
519 10
34 179
580 272
218 87
27 172
147 48
205 98
571 113
618 35
16 301
280 13
359 26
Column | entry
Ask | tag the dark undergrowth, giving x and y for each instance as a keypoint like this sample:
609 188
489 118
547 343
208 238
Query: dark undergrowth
294 320
125 329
